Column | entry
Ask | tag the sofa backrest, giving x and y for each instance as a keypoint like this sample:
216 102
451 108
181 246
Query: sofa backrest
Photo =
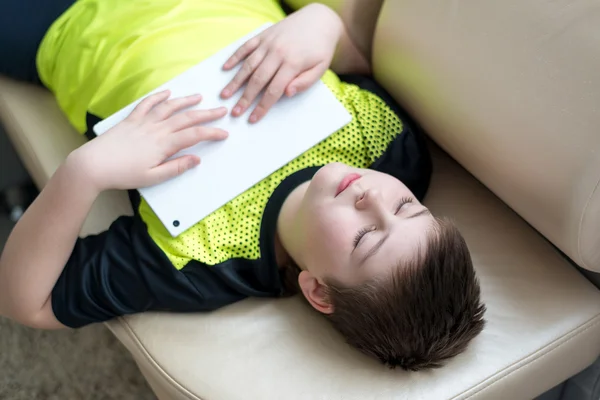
511 90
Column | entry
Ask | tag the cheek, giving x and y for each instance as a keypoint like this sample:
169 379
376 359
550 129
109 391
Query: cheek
326 227
329 238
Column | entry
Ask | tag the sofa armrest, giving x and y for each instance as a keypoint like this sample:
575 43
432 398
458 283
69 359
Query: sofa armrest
43 138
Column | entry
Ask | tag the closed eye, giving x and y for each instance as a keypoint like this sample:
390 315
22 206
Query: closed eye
403 201
363 231
361 234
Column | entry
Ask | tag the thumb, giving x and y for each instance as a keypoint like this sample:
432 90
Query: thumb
305 80
172 168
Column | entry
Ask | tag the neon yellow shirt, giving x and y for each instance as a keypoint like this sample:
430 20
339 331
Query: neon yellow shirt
103 54
100 56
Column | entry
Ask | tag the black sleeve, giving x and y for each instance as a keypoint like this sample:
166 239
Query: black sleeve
122 271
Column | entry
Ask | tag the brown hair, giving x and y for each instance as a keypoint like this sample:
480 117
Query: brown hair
425 313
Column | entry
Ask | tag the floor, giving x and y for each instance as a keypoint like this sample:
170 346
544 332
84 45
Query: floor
62 365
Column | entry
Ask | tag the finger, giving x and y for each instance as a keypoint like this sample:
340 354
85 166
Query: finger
192 136
306 79
167 108
259 79
244 73
171 169
242 53
148 103
273 93
190 118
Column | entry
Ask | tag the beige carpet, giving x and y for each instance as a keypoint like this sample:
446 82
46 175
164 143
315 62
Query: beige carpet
62 365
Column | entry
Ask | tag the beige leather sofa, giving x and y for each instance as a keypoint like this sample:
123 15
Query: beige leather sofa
510 90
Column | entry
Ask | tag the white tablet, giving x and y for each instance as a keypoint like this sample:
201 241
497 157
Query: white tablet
248 155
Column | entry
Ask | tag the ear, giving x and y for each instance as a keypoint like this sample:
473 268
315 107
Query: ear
315 293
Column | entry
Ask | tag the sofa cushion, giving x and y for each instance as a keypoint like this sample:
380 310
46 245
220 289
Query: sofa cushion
543 316
543 326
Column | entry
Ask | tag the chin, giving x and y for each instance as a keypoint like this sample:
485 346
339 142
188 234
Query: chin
322 186
331 174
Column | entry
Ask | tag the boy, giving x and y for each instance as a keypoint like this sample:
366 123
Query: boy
342 223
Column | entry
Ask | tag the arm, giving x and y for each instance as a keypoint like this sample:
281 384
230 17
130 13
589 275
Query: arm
348 58
359 18
40 245
42 241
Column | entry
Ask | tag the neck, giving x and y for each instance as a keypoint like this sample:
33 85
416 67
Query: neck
288 245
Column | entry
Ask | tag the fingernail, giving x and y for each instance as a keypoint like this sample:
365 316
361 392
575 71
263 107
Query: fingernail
226 93
237 110
253 118
292 91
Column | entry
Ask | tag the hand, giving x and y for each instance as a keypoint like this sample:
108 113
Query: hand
133 153
289 57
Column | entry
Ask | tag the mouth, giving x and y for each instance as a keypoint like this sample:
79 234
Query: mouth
346 182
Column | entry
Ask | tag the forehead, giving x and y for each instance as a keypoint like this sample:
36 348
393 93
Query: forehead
407 238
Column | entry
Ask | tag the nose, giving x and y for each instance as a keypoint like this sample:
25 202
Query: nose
372 201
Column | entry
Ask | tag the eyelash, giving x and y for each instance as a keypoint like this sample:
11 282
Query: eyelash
363 231
403 201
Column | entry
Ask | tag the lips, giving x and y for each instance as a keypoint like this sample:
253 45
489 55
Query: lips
347 181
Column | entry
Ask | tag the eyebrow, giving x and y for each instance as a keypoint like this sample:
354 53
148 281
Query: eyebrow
424 211
377 246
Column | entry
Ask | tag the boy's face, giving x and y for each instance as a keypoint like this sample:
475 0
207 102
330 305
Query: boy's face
357 224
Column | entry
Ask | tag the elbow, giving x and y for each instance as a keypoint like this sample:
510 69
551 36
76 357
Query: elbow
23 306
33 317
37 320
19 315
31 320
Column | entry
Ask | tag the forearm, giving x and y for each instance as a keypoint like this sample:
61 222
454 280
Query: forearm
348 59
360 18
352 53
42 241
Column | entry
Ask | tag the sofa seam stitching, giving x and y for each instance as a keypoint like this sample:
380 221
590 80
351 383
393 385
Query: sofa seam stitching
122 321
575 333
587 204
549 348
